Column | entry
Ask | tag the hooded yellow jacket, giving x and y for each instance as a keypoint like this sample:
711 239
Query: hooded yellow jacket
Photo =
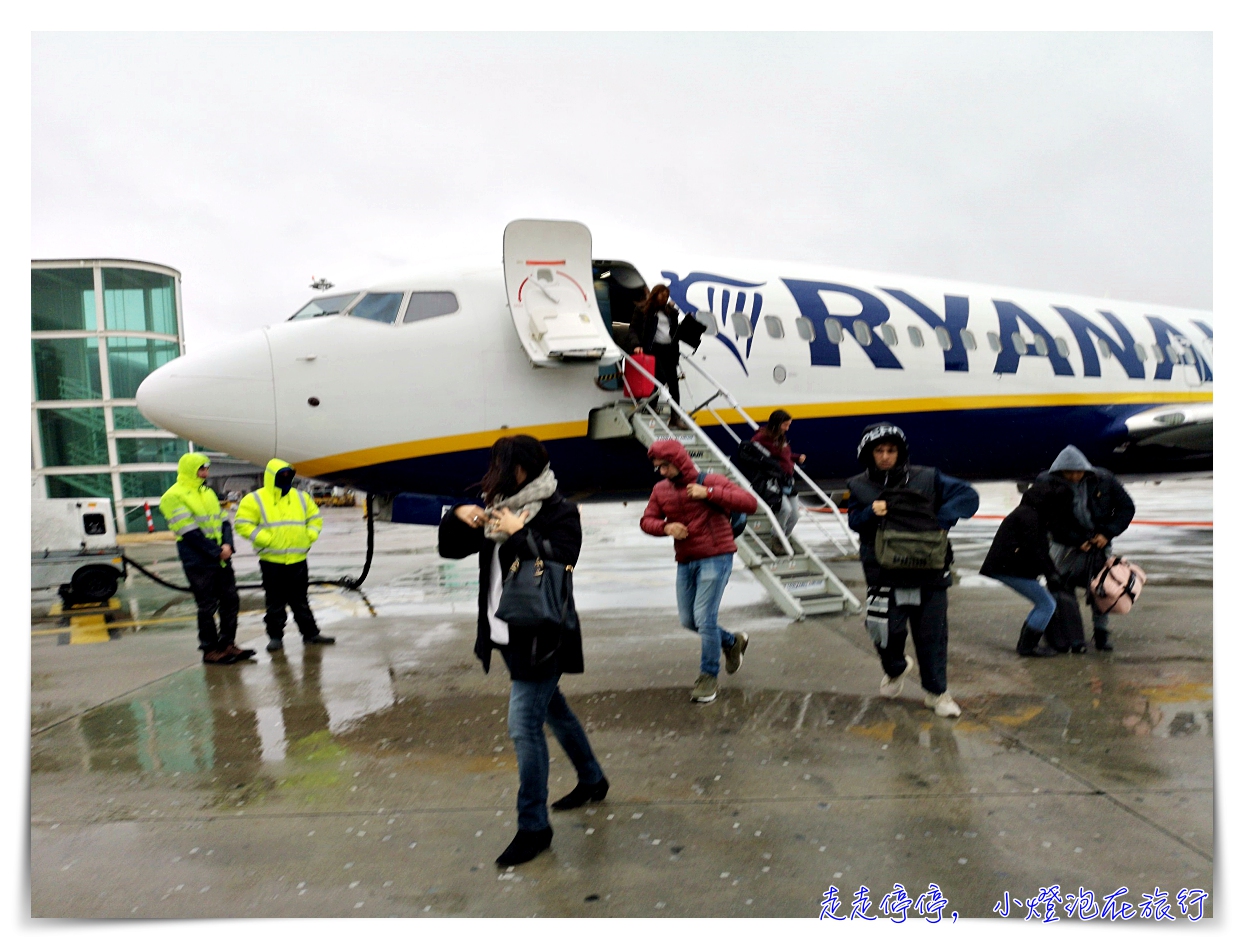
282 529
193 514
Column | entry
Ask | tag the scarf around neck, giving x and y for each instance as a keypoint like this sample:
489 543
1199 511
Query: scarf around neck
530 498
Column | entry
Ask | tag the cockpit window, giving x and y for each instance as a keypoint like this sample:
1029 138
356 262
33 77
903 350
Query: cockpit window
325 306
380 307
428 305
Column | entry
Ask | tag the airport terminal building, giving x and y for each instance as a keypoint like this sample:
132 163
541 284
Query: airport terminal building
98 328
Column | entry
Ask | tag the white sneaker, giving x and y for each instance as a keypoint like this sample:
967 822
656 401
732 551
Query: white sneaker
943 705
892 687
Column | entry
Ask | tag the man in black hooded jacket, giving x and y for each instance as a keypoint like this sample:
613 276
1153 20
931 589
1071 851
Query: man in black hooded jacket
897 597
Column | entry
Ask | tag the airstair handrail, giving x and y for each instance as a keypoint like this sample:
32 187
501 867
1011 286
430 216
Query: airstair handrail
733 402
711 445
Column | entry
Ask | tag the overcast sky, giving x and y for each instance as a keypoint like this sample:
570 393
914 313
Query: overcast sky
1074 162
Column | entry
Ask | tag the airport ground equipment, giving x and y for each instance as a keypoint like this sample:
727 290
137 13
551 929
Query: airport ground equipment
73 548
799 582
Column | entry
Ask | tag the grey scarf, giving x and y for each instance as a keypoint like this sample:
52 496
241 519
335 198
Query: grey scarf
530 498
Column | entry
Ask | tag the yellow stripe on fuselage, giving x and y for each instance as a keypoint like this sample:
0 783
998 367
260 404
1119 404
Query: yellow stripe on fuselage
450 444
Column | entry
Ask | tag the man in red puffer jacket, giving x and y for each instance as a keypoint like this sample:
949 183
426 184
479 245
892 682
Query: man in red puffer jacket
697 517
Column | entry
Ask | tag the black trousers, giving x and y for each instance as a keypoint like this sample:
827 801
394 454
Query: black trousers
284 584
930 632
215 590
667 367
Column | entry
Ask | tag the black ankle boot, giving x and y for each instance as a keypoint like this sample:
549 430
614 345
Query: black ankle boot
525 846
1100 638
1029 643
583 793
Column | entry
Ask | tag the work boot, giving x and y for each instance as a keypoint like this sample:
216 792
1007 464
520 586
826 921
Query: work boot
704 691
733 654
892 687
1029 644
583 793
275 645
1100 638
942 705
319 639
525 846
242 653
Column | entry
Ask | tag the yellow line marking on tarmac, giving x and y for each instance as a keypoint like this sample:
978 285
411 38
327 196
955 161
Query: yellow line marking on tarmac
127 624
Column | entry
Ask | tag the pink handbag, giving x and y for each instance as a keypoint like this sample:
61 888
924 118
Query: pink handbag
1117 586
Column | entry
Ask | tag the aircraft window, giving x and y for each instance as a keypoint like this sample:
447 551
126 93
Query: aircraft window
774 327
1016 340
917 337
325 306
1140 352
943 338
968 340
806 328
994 342
428 305
708 321
863 332
1106 352
1062 348
742 325
1173 354
1042 347
833 329
889 334
379 307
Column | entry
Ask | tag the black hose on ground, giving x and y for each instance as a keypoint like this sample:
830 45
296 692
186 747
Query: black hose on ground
345 582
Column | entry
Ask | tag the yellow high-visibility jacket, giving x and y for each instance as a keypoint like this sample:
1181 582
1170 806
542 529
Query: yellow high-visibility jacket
282 529
191 505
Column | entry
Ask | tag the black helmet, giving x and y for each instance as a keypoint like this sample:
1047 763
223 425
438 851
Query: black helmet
879 432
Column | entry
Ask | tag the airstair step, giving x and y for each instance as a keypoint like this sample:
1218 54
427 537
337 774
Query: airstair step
821 605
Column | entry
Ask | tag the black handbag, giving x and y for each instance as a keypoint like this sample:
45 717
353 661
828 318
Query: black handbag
690 330
538 592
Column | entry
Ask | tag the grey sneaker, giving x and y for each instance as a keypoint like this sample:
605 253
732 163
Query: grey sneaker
892 687
733 654
704 691
943 706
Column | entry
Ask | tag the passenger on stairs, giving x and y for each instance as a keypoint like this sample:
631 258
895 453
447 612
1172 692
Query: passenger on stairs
922 504
773 438
655 326
697 517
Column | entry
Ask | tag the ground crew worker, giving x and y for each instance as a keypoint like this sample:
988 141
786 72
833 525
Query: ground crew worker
205 546
282 523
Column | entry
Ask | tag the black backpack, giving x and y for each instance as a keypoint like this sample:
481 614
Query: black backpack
737 519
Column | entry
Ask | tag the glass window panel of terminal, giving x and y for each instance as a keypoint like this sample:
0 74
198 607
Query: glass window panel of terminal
146 483
130 360
79 485
66 369
62 299
139 301
150 450
72 437
128 418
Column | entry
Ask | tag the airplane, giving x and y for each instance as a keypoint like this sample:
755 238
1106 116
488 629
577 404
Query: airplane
403 387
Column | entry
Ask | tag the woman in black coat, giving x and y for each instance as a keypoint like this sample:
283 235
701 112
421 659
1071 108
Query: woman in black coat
1020 554
524 506
655 327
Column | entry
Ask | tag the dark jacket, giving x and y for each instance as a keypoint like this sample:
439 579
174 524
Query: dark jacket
199 552
643 327
951 499
1109 506
1021 547
557 523
706 520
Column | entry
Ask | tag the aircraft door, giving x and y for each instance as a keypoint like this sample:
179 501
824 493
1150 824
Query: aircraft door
548 280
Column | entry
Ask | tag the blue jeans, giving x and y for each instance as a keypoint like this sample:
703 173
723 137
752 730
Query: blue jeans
701 584
531 704
1043 603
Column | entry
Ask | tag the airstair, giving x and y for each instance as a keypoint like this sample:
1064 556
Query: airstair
798 580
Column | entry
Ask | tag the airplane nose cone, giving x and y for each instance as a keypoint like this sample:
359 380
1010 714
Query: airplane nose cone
221 399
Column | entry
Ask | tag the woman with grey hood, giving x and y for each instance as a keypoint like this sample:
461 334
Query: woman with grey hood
1101 509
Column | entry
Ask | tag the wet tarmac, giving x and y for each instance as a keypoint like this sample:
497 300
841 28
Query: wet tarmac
375 777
